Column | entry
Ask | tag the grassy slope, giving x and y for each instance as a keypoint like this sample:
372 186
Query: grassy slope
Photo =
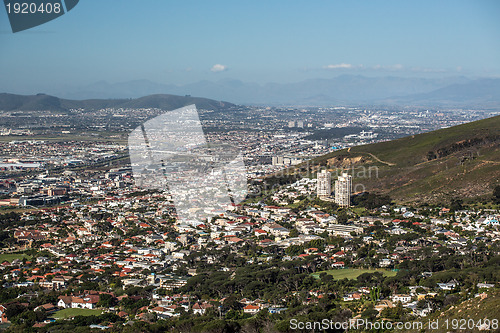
475 309
68 313
11 256
407 175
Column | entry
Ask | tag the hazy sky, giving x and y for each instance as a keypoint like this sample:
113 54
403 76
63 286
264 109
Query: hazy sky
258 41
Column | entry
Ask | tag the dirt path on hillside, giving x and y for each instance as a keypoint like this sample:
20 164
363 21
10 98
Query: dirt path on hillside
379 160
375 157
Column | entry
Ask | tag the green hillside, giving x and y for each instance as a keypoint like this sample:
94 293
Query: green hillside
460 161
478 310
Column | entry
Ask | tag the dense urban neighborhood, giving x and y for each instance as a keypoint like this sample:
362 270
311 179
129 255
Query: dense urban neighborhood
117 253
317 237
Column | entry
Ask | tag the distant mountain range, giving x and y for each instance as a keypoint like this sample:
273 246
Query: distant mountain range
344 89
478 92
42 102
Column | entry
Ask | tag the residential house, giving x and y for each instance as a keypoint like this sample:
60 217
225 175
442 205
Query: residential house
403 298
64 302
201 308
448 286
85 302
3 316
48 308
251 309
80 302
351 297
162 312
338 264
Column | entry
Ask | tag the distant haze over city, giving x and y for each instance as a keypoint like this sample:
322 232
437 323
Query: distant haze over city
345 89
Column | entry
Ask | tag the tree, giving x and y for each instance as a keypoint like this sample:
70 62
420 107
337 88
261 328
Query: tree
327 302
294 250
422 304
370 312
220 325
106 301
371 200
450 299
456 204
496 194
13 310
342 217
395 313
232 303
375 294
293 233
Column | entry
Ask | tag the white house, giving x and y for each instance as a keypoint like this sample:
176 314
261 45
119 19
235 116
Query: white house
447 286
64 302
252 309
401 298
85 302
80 302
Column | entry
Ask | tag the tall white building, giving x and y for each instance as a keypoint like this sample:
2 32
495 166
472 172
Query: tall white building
278 160
343 190
324 186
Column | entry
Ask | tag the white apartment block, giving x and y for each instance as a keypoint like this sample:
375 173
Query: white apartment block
324 186
343 190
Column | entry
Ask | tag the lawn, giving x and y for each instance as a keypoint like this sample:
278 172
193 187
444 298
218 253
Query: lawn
359 210
68 313
353 273
11 256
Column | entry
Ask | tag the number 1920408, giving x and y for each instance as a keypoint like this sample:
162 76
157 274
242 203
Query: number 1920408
470 324
32 8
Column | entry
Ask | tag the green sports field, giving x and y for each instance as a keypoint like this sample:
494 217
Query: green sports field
353 273
11 256
68 313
